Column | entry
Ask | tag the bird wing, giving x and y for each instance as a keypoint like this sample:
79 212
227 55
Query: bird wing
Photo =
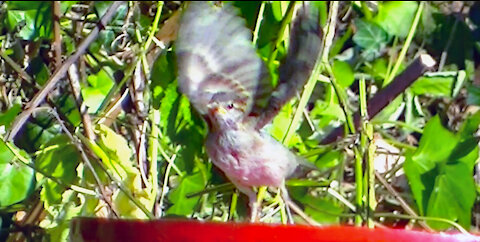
216 58
303 52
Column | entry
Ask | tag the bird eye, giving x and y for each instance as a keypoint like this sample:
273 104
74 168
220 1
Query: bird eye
230 106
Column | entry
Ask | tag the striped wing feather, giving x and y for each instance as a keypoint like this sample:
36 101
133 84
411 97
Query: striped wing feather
215 56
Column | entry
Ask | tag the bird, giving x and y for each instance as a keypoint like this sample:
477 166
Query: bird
229 85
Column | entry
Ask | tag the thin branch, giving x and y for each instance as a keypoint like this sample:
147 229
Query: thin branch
17 68
86 161
74 81
57 39
402 202
61 71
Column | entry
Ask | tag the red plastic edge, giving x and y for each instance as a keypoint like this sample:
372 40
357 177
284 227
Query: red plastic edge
97 229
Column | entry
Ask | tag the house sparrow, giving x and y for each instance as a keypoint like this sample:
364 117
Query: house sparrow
229 85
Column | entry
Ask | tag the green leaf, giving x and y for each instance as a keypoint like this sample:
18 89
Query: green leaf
248 10
371 37
163 76
322 209
280 125
277 10
60 160
66 5
17 179
378 70
473 95
435 145
441 170
38 70
37 132
6 118
117 150
330 159
470 125
68 107
269 28
167 103
453 196
343 73
100 85
323 109
37 16
13 17
433 86
392 111
396 17
178 196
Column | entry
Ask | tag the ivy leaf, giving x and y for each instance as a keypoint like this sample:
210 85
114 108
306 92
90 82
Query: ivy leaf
61 162
371 37
36 16
396 17
100 85
441 170
118 153
6 118
17 179
433 86
163 76
178 196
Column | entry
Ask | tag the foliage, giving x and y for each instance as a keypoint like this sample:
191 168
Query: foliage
116 138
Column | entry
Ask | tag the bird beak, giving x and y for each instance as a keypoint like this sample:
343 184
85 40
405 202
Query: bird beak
221 110
218 110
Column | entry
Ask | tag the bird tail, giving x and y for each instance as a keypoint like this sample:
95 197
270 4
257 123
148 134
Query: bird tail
303 168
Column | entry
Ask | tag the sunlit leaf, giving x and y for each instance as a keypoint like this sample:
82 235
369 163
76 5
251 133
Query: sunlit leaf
7 117
100 85
441 170
119 154
60 160
36 17
163 75
178 196
17 179
433 86
343 73
396 17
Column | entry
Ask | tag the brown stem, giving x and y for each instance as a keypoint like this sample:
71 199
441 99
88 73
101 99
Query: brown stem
60 72
57 39
74 81
385 96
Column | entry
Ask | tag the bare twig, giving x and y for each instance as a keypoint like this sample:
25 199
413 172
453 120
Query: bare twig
60 72
86 161
74 81
17 68
402 202
57 39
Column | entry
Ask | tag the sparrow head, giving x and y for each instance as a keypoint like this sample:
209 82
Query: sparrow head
224 115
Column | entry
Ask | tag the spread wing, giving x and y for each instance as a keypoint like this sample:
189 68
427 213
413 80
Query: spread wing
216 57
303 52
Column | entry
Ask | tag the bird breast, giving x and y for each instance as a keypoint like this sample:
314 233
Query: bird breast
250 158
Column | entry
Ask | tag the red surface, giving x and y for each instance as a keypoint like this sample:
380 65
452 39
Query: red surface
94 229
